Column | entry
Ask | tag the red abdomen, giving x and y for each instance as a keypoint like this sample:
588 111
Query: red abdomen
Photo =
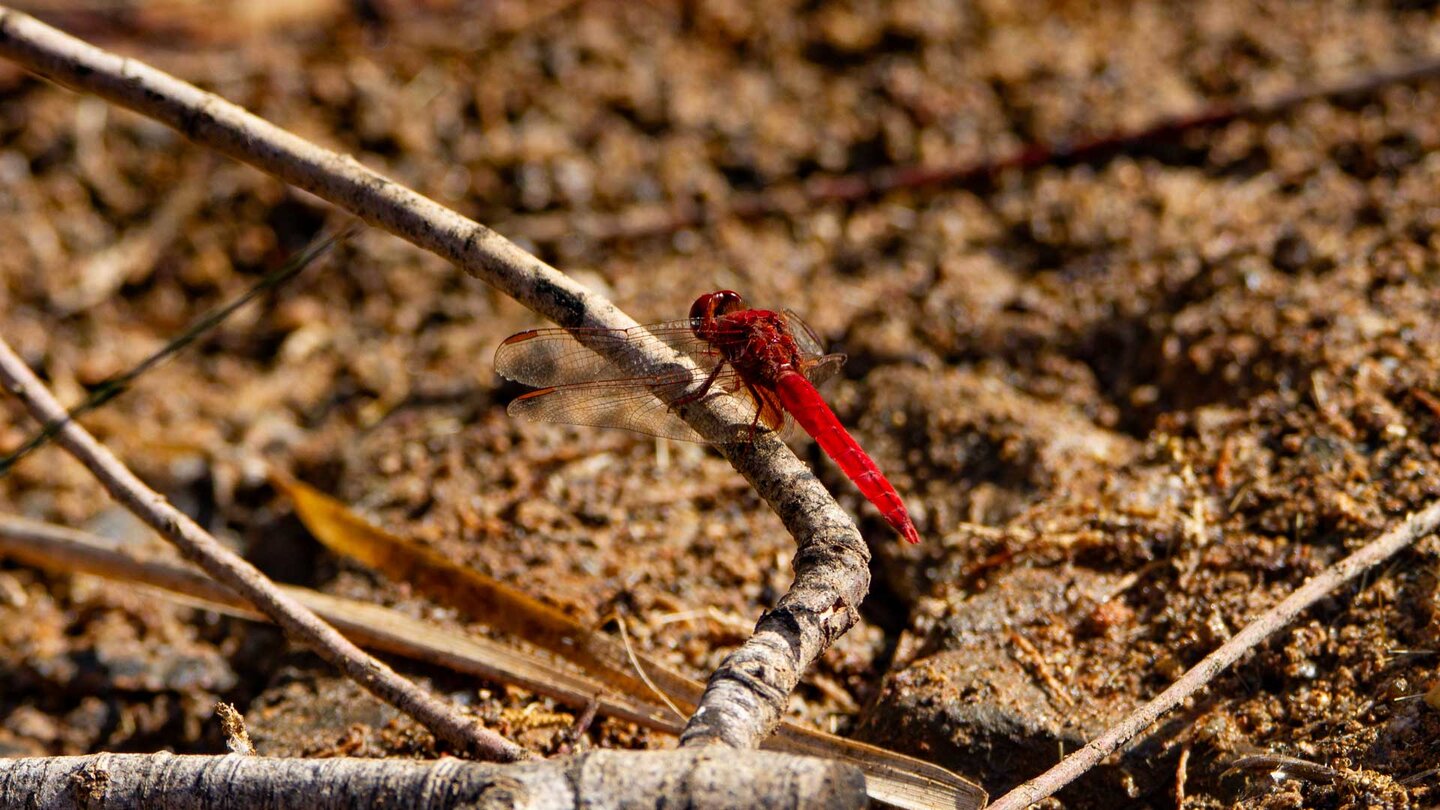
805 404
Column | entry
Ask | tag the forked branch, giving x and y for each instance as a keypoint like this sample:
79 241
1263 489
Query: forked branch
748 694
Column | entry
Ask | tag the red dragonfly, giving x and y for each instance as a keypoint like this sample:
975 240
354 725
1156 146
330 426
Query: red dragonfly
767 360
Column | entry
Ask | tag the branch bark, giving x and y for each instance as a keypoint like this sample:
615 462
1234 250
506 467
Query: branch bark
747 695
243 578
891 778
61 549
704 780
1373 553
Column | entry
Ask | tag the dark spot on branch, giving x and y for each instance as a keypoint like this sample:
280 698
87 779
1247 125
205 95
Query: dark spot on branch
783 621
193 120
570 309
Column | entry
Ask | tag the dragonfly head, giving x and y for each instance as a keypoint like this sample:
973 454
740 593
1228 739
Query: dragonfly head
713 305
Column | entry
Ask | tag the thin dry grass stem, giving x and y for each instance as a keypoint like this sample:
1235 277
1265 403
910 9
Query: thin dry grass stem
639 670
655 219
747 696
114 386
57 548
1182 772
891 778
244 579
1373 553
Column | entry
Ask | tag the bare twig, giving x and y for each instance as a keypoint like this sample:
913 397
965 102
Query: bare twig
748 693
890 777
243 578
61 549
705 780
577 731
1376 551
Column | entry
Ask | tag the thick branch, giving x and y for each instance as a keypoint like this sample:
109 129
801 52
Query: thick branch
748 694
598 779
243 578
889 777
1373 553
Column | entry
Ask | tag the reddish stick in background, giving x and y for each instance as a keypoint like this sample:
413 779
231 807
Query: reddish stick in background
767 360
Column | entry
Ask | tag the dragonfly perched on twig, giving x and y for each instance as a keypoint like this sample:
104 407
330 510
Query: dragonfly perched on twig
769 361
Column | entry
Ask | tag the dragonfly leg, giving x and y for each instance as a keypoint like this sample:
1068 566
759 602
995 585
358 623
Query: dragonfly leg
704 388
759 410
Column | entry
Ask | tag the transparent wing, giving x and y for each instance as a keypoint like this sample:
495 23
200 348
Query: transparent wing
805 337
612 403
772 413
632 404
823 368
547 357
579 386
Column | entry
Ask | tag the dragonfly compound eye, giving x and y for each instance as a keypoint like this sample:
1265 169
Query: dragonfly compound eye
713 305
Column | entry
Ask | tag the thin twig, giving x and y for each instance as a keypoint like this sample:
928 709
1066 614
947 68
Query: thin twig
1416 778
1373 553
117 385
891 778
240 576
577 731
61 549
747 695
653 219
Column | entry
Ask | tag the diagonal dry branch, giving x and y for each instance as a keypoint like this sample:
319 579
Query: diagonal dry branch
243 578
748 693
1418 525
890 778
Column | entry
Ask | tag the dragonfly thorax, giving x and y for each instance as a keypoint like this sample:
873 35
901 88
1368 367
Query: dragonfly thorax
756 341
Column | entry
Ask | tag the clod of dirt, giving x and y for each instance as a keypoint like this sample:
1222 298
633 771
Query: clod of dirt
323 715
981 698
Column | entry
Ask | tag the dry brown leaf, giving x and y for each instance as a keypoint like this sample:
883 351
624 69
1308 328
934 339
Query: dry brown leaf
890 777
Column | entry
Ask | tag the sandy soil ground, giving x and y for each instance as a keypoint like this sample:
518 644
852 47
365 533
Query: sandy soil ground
1132 401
